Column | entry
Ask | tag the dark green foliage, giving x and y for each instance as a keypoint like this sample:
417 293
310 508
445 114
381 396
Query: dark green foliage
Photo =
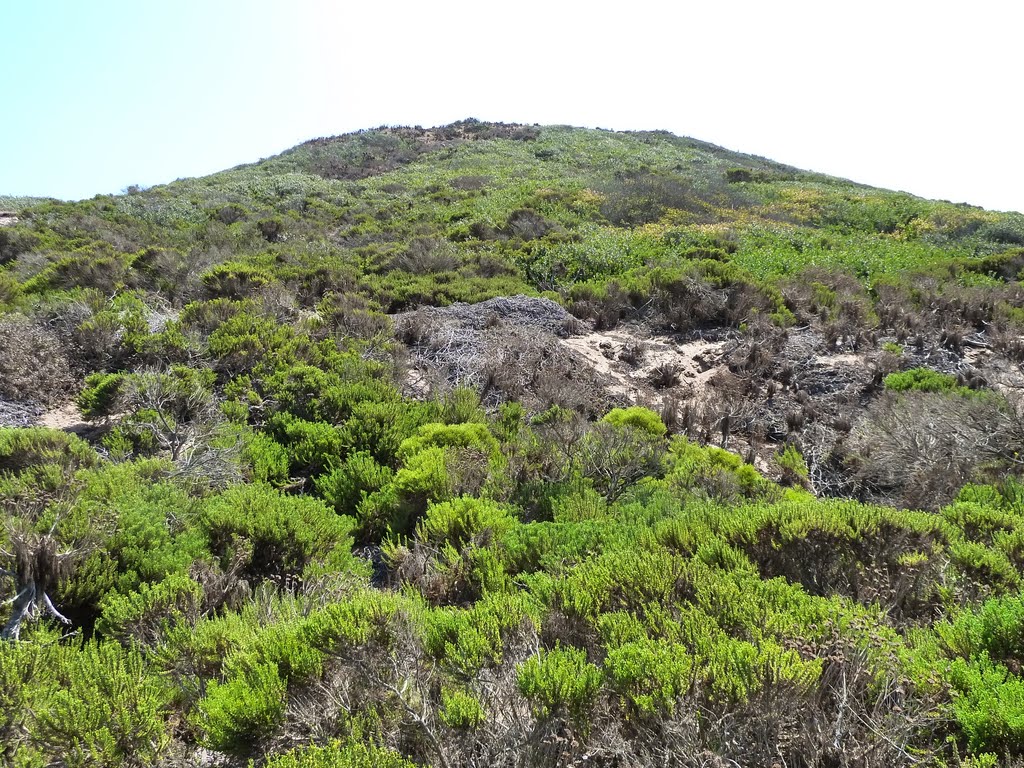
235 281
99 398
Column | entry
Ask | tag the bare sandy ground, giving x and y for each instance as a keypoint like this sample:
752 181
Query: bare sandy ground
66 417
629 360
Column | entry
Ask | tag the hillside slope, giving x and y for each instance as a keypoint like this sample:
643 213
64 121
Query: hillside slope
511 445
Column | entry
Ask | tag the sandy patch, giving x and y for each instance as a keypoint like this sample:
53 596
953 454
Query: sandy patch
631 361
841 361
67 417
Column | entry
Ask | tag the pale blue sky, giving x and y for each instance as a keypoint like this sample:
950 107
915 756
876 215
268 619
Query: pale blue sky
913 95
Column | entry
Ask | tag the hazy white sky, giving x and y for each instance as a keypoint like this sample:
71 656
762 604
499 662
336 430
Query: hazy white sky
919 96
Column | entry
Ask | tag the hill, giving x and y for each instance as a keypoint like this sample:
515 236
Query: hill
511 445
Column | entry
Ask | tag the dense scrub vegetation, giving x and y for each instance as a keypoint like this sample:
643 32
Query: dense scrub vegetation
271 543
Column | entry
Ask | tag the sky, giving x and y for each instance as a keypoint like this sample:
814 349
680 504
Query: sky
918 96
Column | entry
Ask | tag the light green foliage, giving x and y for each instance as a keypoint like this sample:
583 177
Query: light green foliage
560 680
464 435
235 714
995 630
341 755
346 486
235 281
135 529
649 675
641 419
989 705
468 639
287 534
364 617
923 380
794 467
108 710
143 615
313 446
460 709
714 473
267 458
459 521
624 579
575 507
21 449
380 428
423 479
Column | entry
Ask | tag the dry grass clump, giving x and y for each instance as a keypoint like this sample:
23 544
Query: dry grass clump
33 365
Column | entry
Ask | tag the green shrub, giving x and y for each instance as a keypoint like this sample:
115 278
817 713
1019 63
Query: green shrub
287 533
101 395
465 640
22 449
473 435
346 486
340 755
237 714
642 419
313 447
995 630
794 467
714 472
923 380
459 521
109 709
560 682
142 615
235 281
267 459
422 480
366 616
988 705
460 709
650 676
380 428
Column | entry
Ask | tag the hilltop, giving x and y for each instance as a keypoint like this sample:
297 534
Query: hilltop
512 445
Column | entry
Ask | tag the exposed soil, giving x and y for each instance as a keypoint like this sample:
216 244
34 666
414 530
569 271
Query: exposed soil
631 362
66 417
